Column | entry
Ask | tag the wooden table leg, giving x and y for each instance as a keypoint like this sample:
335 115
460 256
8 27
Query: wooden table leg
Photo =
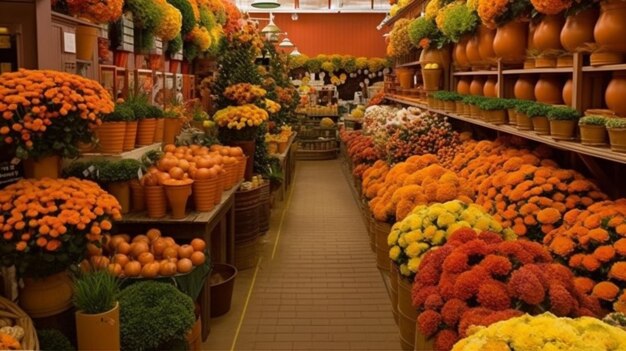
230 235
205 308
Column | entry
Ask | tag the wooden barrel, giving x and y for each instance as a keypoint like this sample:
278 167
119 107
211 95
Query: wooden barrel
393 289
421 342
247 198
264 209
246 253
382 230
407 314
246 223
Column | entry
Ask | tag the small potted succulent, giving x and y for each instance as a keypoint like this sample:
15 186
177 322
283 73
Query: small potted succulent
593 130
538 115
495 109
563 121
523 122
98 312
617 133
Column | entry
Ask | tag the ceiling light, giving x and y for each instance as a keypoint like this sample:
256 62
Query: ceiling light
295 52
294 16
265 4
273 38
271 28
286 43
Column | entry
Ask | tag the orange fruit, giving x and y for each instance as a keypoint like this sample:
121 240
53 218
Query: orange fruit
153 234
138 248
170 252
184 265
145 258
198 244
185 251
132 269
197 258
150 270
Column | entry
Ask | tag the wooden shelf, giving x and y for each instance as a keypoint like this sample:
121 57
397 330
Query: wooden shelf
409 64
620 67
402 13
476 73
132 154
599 152
539 70
74 20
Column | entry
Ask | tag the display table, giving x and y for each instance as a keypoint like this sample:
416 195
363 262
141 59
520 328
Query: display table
287 164
216 227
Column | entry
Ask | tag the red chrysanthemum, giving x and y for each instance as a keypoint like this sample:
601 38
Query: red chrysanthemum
539 252
497 265
490 237
421 294
433 302
452 311
473 316
514 251
462 235
428 275
446 285
445 340
561 301
467 284
475 247
498 316
525 285
428 322
456 262
492 294
559 273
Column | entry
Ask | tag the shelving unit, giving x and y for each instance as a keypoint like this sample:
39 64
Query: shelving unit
316 142
539 70
475 73
409 64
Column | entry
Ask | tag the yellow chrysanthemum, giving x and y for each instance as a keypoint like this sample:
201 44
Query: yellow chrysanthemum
414 264
394 253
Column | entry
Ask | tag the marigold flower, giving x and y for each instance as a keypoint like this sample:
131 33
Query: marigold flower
599 235
590 263
618 271
604 253
583 284
621 229
606 291
548 216
562 246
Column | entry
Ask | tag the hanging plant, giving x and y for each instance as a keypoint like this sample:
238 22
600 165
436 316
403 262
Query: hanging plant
457 20
96 11
171 25
188 20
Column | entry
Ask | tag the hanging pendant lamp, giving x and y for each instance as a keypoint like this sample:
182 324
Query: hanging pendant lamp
286 43
271 28
265 4
295 52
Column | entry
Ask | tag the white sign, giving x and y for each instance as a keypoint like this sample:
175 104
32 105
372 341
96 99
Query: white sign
69 42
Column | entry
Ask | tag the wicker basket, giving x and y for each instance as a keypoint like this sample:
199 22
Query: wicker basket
11 310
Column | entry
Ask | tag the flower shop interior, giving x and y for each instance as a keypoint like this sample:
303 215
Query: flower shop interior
313 175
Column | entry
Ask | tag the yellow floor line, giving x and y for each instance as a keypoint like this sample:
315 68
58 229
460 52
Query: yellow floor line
245 306
282 218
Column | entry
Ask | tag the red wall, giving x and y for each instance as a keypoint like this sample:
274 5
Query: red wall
344 33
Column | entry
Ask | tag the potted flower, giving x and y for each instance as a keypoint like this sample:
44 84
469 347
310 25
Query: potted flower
546 36
46 245
593 130
154 316
458 22
538 115
512 32
147 122
159 129
617 133
523 122
98 313
116 176
130 136
494 110
111 133
563 121
147 18
43 123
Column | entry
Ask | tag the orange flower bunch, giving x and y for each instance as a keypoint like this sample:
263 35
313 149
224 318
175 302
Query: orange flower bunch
532 199
97 11
374 178
47 224
551 7
489 10
593 242
37 107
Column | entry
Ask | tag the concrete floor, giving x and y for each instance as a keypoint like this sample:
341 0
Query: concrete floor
316 286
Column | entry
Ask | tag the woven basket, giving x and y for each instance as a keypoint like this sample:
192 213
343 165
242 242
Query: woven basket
11 310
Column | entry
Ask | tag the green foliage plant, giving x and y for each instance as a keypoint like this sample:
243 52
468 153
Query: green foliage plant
459 20
444 95
592 121
122 113
563 114
473 99
494 104
189 20
538 110
95 292
53 339
616 123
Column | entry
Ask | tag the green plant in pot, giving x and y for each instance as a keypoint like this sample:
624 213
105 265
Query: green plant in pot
617 133
157 113
116 176
459 20
593 130
472 101
154 316
494 109
538 115
53 339
523 122
147 17
98 313
448 99
563 121
111 133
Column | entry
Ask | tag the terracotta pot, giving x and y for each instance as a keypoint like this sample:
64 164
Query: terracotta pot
242 164
121 191
523 122
506 43
565 61
547 36
145 131
476 87
524 88
578 29
496 117
177 196
219 188
439 56
204 193
130 136
490 88
48 296
563 129
249 148
272 147
549 89
159 130
194 336
472 52
460 57
120 58
171 130
432 78
44 167
137 196
485 44
593 135
111 137
545 62
615 94
463 86
156 202
541 125
617 136
405 77
530 43
174 64
86 40
567 92
86 148
99 331
511 116
611 26
185 67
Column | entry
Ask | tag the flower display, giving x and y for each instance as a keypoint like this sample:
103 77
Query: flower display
481 279
233 15
497 12
244 93
239 117
456 20
520 333
592 242
420 32
201 37
271 106
374 178
361 62
551 7
361 150
97 11
37 106
399 43
430 226
328 66
172 22
47 224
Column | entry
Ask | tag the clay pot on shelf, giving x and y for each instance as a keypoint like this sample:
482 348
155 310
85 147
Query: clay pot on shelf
130 137
578 29
431 78
463 86
121 191
547 36
171 129
563 129
485 44
549 89
47 296
490 88
567 92
43 167
523 121
159 130
472 53
111 137
137 196
609 32
617 136
476 86
156 202
524 88
506 43
615 94
460 58
592 135
177 196
541 125
512 116
145 131
86 39
406 77
438 56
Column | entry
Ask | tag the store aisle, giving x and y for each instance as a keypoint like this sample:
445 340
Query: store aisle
321 290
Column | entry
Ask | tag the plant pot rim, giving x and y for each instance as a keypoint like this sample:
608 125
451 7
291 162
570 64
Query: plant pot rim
229 278
178 185
117 306
616 129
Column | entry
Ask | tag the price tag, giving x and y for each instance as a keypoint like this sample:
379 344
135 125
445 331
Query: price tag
15 161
